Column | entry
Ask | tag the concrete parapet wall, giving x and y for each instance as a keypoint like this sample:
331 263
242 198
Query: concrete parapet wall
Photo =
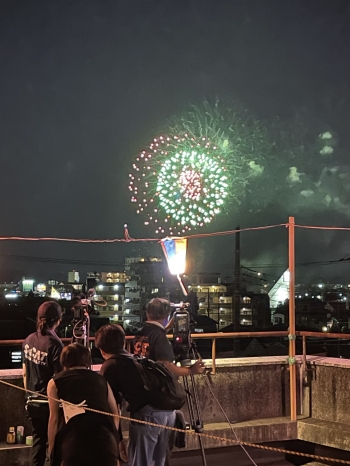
245 393
327 389
247 388
325 401
12 408
254 392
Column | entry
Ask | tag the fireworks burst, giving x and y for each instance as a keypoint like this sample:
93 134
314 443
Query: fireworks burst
180 183
205 160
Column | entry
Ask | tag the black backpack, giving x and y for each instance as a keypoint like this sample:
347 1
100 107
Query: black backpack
164 391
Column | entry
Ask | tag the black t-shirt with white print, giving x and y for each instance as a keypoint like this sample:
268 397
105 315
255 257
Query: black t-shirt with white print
151 342
41 356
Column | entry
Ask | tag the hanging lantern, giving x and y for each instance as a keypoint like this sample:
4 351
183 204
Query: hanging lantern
175 253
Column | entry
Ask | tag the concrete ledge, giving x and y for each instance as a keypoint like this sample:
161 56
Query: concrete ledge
14 455
221 362
330 434
257 431
229 362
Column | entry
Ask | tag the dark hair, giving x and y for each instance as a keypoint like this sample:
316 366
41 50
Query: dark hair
75 354
49 313
158 308
110 338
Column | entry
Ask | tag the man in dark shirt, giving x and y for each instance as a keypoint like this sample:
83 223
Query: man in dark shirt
41 361
147 444
151 341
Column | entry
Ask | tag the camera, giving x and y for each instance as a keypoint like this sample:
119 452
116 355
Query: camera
181 331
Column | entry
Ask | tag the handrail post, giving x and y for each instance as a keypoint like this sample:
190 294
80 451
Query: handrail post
291 336
213 355
304 353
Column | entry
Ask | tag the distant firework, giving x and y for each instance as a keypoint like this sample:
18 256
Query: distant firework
179 183
198 168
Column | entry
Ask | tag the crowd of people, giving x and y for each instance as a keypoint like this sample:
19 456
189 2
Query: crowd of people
73 427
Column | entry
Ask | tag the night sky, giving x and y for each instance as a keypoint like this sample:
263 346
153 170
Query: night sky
86 84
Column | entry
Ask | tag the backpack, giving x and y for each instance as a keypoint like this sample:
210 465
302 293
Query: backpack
164 390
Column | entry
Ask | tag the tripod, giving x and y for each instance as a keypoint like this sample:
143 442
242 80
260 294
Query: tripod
196 422
81 319
81 327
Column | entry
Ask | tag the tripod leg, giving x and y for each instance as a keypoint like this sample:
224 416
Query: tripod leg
189 403
193 407
199 421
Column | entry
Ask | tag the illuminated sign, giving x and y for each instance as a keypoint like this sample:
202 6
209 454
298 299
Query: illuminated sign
27 285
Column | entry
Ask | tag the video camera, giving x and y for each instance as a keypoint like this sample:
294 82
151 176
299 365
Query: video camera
181 331
82 307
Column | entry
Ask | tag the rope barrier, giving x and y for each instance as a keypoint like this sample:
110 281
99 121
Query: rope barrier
232 232
190 432
310 227
127 238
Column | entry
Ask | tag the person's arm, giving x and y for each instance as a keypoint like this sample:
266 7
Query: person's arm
54 414
24 376
165 355
170 325
56 354
113 406
178 371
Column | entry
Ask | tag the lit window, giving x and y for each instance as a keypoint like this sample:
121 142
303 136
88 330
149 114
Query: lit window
16 356
116 297
116 287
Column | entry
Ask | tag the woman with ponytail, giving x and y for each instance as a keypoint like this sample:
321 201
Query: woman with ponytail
41 361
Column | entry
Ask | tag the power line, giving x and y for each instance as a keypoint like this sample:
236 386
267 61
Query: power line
301 264
59 261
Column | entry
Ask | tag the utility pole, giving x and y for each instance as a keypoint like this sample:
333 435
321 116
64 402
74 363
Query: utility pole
237 289
208 303
291 336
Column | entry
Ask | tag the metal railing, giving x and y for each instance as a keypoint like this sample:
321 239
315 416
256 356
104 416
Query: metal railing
220 336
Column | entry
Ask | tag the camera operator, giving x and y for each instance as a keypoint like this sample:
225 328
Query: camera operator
41 361
75 307
151 341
